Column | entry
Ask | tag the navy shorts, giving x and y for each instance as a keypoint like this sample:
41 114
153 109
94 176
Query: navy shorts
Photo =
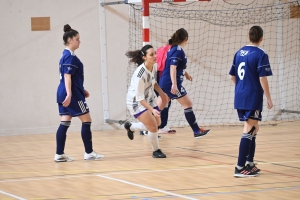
244 115
76 108
181 92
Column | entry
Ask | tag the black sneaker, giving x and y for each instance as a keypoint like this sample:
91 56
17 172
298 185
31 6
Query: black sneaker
129 132
253 168
244 172
158 154
202 132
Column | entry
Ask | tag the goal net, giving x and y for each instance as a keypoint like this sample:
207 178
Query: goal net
217 29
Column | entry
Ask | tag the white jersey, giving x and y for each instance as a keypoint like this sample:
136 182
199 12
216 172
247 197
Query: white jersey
141 88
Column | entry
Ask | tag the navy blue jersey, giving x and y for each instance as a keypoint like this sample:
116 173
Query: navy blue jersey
70 64
175 56
249 64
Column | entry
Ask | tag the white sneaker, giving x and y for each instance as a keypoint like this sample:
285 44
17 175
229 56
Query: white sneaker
166 130
63 158
93 156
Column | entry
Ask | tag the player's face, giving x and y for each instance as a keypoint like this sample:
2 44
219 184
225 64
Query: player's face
150 56
74 42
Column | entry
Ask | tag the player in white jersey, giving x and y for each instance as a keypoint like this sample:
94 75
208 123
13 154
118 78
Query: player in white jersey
141 98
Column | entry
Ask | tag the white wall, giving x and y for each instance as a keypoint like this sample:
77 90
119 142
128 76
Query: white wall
29 62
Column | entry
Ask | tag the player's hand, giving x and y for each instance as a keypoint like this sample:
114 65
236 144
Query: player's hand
67 101
188 77
270 103
86 94
156 113
174 89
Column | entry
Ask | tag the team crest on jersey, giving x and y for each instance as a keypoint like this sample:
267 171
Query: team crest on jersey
174 61
243 53
69 68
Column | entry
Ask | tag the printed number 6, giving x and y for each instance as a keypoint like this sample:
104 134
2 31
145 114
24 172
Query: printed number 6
241 72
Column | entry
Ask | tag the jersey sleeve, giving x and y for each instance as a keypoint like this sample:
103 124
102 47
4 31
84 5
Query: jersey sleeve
70 65
139 84
176 58
232 71
264 68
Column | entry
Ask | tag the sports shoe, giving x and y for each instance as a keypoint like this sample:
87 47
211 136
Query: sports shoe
244 172
93 156
158 154
63 158
253 168
146 133
202 132
166 130
143 132
129 132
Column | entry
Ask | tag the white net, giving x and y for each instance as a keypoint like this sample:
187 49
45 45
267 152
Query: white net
217 30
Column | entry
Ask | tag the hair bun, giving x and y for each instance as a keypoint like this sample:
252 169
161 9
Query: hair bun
67 28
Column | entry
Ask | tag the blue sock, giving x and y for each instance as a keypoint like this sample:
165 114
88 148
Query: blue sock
191 119
252 149
244 149
61 136
86 136
164 115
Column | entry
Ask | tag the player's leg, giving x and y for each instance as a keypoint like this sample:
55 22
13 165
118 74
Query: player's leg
187 104
164 115
61 135
86 135
256 115
248 131
152 124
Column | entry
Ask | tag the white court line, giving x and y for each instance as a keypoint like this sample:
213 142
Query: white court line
149 188
11 195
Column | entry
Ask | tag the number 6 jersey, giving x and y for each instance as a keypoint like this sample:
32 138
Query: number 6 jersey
249 64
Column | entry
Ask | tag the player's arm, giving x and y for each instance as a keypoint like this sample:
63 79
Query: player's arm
265 85
68 85
173 72
140 96
233 79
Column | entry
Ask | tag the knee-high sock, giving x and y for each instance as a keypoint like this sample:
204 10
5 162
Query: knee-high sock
86 136
164 115
138 126
61 136
191 119
153 139
244 149
252 150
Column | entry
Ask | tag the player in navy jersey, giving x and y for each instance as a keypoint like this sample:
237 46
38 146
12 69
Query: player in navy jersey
172 78
249 73
141 99
71 99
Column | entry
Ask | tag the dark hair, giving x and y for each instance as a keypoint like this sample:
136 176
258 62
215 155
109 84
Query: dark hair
179 36
137 55
255 33
69 33
170 41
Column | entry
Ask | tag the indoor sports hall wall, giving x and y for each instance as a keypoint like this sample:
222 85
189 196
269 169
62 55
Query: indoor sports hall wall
29 62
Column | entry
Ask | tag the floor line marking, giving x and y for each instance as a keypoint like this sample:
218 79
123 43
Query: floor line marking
146 187
11 195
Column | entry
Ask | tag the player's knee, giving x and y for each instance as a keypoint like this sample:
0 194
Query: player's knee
65 123
153 129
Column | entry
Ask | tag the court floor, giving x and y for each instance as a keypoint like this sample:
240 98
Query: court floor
194 168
